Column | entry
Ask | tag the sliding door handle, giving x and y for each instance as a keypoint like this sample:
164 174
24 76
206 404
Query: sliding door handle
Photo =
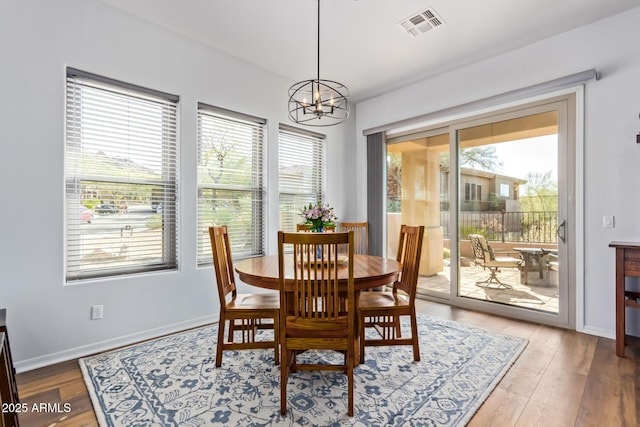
563 226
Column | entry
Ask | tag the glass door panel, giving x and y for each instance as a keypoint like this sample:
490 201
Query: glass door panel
508 207
418 194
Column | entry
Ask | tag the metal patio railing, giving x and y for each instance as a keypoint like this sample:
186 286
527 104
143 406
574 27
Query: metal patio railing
508 227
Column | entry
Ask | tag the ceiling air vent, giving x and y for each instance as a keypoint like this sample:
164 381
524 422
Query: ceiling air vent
421 22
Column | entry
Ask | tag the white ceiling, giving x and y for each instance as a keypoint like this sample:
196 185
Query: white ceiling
362 43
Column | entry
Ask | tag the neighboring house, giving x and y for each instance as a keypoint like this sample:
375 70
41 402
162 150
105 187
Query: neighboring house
486 191
480 190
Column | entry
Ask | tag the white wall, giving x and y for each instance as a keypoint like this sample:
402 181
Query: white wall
611 155
47 320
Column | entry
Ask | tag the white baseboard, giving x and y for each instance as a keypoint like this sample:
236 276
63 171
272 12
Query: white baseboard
86 350
599 332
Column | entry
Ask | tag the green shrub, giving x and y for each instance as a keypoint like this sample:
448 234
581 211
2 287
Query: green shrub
394 206
471 229
91 203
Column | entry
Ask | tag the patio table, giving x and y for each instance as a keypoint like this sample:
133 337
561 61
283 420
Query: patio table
535 259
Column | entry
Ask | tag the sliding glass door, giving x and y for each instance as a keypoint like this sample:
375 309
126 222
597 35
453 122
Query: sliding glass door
509 208
494 194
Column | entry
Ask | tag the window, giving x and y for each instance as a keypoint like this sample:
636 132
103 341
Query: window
472 192
230 180
121 184
301 171
504 190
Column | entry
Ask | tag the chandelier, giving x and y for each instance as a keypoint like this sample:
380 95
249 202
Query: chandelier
318 102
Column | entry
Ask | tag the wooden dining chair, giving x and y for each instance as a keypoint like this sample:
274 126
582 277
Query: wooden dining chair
312 317
361 235
382 310
247 309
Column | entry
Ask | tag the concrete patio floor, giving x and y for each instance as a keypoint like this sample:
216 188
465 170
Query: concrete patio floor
536 297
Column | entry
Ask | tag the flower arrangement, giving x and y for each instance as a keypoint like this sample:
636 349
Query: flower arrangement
318 216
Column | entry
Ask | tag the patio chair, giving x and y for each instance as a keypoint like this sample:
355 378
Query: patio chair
249 309
312 316
486 257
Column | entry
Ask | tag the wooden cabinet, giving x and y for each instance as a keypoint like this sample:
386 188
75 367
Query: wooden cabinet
627 265
8 386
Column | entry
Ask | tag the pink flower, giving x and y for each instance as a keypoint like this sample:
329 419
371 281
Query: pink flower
318 215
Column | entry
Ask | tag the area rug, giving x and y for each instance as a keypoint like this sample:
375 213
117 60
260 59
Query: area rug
173 381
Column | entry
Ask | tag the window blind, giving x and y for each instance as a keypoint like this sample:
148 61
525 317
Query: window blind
301 173
230 180
121 178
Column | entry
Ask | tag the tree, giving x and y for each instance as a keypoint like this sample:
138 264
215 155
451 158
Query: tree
394 181
540 193
216 147
481 157
227 193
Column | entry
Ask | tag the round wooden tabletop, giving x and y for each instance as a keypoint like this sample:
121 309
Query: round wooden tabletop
368 271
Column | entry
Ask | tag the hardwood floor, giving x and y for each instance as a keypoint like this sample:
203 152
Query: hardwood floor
563 378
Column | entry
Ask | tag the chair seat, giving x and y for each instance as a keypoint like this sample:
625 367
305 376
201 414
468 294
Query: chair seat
382 300
254 302
504 262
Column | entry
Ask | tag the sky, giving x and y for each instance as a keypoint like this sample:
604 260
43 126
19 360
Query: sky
539 154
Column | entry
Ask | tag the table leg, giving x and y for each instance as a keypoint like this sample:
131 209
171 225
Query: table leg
620 306
523 274
540 259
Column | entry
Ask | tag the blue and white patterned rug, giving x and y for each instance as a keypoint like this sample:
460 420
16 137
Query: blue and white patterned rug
173 381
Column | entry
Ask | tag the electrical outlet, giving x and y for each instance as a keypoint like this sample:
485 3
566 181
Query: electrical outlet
96 312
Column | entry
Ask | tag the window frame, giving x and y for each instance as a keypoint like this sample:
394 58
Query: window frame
88 98
505 188
220 118
472 192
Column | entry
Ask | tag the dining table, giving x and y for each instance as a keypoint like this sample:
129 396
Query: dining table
369 271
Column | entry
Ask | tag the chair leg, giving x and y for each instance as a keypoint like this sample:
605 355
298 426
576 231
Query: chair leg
414 336
284 377
493 279
232 327
362 337
221 324
276 334
350 363
396 321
